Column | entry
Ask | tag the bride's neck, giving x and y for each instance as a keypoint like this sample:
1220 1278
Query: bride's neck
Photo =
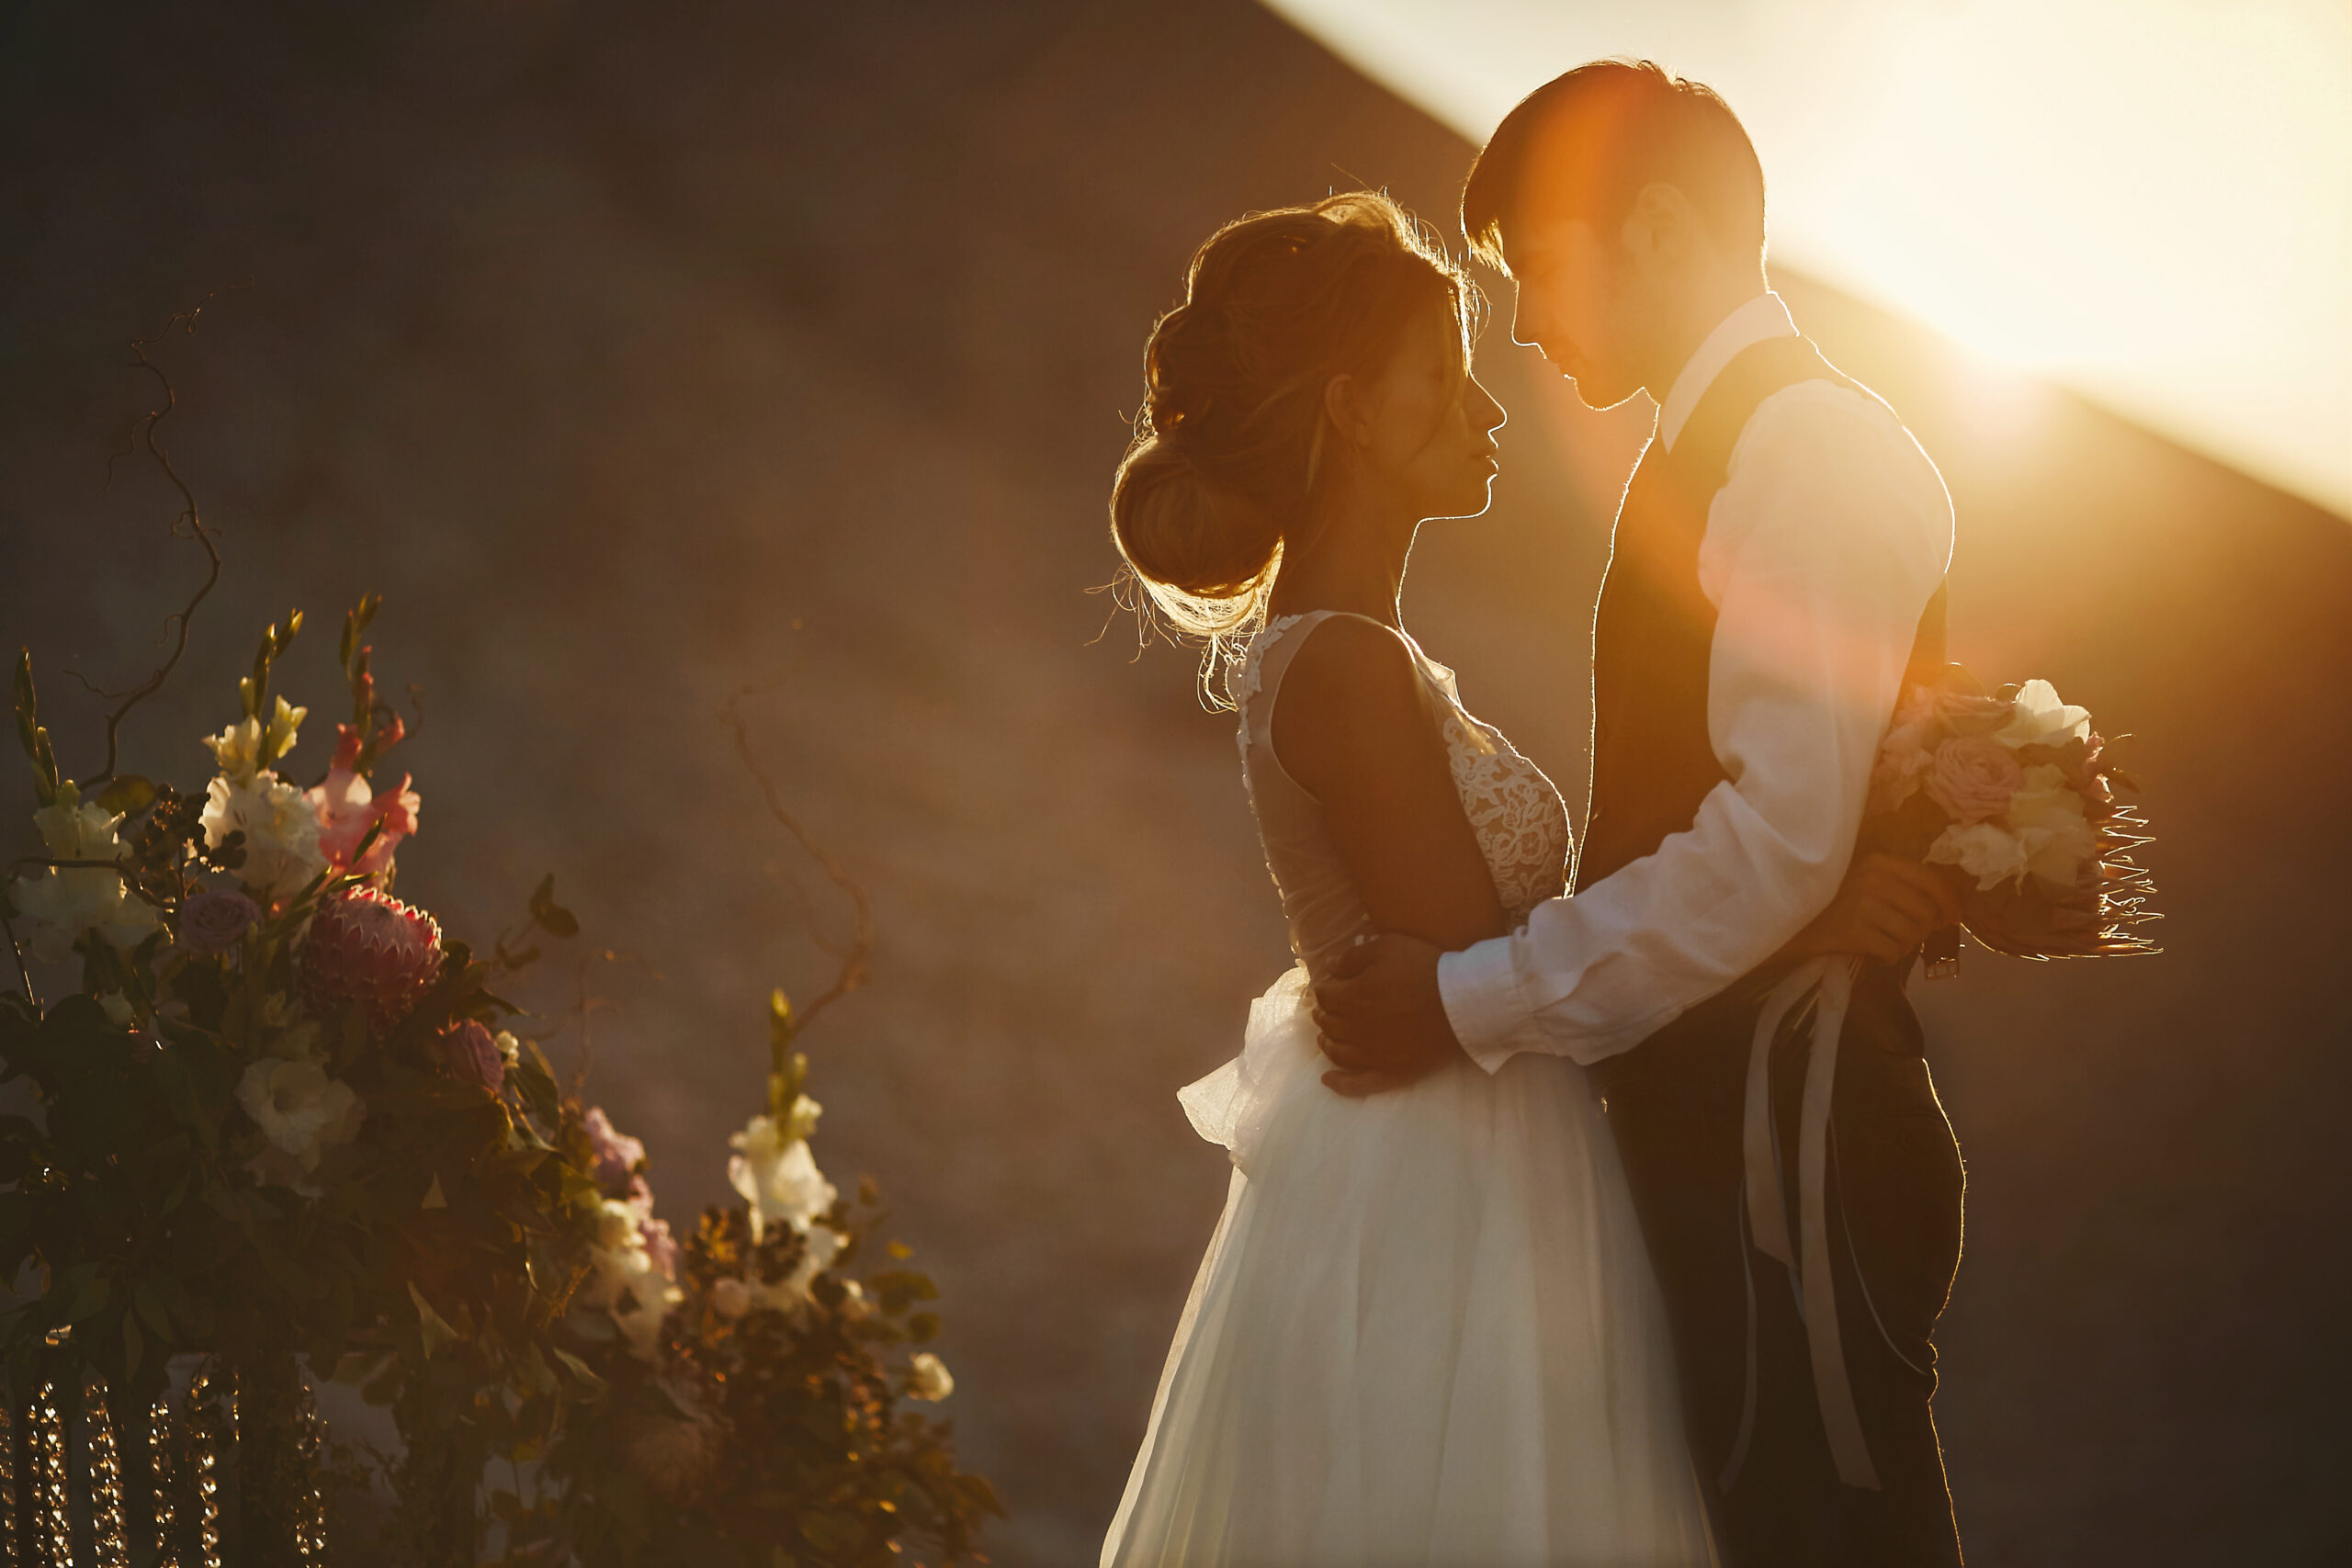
1351 559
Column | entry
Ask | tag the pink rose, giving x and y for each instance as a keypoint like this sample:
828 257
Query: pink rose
1973 778
216 922
471 1053
1968 713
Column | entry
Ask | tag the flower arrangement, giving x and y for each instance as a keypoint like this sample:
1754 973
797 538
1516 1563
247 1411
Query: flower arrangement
283 1121
2017 791
281 1129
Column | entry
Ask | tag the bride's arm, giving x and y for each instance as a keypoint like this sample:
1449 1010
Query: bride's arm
1355 727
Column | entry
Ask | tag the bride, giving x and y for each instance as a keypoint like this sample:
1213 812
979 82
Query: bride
1425 1331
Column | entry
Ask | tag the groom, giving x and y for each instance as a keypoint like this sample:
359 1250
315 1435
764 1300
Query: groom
1776 576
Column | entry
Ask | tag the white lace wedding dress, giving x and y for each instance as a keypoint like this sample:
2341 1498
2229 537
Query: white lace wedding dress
1426 1331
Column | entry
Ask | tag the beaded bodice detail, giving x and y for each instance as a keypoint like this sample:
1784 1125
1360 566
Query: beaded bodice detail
1517 815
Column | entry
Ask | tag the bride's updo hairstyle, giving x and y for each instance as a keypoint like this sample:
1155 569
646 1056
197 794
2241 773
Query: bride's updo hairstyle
1229 456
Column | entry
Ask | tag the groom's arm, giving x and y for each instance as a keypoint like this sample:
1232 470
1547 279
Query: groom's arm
1831 533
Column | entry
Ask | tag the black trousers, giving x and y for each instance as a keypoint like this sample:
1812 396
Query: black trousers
1894 1196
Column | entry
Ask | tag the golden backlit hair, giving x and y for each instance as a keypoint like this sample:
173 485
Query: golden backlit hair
1227 456
1585 144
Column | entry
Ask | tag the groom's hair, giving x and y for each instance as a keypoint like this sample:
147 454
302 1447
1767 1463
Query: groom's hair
1589 141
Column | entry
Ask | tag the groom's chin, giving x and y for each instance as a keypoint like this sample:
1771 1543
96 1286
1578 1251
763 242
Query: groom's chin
1599 397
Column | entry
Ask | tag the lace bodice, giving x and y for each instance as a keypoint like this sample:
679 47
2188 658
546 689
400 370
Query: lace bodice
1521 823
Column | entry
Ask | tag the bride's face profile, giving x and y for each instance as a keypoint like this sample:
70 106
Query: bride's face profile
1422 431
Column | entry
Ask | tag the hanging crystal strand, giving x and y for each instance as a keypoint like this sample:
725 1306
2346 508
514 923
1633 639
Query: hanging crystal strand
106 1534
52 1523
8 1550
204 1461
310 1522
161 1483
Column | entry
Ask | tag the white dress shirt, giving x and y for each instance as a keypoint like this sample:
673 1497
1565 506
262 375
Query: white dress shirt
1831 533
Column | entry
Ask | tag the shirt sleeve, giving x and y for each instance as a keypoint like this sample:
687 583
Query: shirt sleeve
1831 532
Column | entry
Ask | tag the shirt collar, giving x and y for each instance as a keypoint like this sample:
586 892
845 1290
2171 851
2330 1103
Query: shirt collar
1761 318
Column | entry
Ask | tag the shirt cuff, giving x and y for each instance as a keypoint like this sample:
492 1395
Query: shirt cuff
1480 990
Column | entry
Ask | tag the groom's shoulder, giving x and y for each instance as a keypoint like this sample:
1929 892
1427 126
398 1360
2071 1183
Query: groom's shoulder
1829 427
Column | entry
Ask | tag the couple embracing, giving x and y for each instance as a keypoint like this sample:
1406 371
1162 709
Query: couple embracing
1488 1288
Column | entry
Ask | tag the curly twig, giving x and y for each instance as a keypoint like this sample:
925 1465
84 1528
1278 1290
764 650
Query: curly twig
189 523
855 958
17 951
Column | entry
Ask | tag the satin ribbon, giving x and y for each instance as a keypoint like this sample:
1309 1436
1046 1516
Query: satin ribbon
1828 984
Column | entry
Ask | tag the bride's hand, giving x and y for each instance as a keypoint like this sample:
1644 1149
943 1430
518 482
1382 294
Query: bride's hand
1884 910
1383 1021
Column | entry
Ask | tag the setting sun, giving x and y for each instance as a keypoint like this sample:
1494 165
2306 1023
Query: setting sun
2152 203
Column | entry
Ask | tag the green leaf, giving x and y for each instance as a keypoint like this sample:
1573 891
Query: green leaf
149 1303
552 917
126 794
579 1369
430 1324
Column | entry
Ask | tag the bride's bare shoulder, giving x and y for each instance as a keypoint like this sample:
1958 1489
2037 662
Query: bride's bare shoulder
1352 697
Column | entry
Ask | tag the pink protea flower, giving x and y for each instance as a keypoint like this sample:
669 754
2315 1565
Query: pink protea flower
366 945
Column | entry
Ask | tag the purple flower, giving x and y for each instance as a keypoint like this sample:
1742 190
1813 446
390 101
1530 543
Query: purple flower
617 1154
660 1245
471 1053
216 922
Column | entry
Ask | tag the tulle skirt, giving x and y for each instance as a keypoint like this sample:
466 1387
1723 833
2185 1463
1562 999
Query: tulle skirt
1425 1332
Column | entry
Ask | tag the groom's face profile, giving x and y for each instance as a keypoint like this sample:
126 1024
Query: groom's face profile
1569 307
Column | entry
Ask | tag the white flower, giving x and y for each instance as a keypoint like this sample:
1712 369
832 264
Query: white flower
1988 852
776 1174
624 1280
508 1046
60 903
854 1306
928 1378
2052 826
281 832
247 746
236 751
2040 719
731 1299
303 1113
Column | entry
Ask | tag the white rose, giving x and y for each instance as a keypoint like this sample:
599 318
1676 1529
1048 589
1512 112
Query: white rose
281 832
1988 852
2040 719
2052 826
731 1299
60 903
777 1175
928 1378
301 1109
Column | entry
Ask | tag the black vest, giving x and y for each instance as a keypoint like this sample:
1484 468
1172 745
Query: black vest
1654 631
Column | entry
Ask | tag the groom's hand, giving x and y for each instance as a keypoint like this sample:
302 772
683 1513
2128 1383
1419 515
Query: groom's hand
1383 1021
1884 910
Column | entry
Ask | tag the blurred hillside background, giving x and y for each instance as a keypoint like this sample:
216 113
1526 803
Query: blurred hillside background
640 352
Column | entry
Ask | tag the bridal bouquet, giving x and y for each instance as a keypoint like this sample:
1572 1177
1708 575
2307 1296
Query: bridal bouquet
2017 790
